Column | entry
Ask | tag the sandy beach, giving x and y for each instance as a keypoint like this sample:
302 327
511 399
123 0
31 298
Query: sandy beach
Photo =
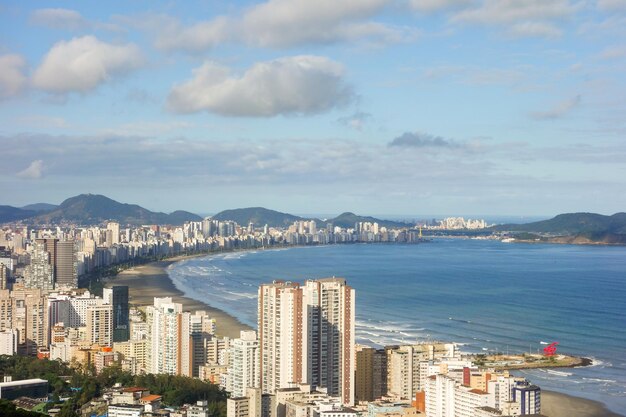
555 404
151 280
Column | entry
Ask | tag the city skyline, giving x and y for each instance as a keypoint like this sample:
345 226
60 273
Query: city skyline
377 106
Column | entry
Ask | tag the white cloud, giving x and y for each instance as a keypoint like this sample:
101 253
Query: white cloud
559 110
429 6
292 85
535 29
12 78
281 24
507 11
33 171
612 5
59 19
521 18
40 122
613 52
66 19
284 23
356 121
81 64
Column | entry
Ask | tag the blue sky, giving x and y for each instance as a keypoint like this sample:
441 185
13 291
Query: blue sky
400 107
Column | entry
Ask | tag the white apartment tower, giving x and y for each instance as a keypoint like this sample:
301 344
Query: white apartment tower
163 319
100 324
306 335
114 228
244 368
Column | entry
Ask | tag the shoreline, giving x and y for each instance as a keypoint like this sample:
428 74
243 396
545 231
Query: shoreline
152 280
556 404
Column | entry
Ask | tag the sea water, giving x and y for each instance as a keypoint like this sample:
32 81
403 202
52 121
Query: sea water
488 296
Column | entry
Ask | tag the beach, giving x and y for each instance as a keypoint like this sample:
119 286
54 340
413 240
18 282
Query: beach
555 404
151 280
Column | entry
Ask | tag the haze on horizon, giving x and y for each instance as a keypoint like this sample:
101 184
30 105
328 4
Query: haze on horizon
372 106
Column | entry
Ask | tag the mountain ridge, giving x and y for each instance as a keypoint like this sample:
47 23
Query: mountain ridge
578 228
95 209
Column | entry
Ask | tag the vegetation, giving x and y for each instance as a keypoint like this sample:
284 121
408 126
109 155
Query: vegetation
78 385
11 214
572 224
349 219
94 209
259 216
8 409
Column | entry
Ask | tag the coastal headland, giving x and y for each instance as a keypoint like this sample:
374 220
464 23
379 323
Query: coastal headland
152 280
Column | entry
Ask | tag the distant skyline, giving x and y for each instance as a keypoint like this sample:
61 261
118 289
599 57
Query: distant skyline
500 107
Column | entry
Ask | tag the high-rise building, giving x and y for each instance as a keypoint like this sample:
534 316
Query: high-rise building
30 319
529 398
306 335
40 273
280 335
117 297
371 373
177 341
6 310
243 369
164 340
114 228
100 325
408 366
201 330
8 342
65 265
4 276
61 260
329 329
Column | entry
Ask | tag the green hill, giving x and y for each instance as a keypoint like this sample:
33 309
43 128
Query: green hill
576 228
40 207
259 216
347 220
93 209
11 214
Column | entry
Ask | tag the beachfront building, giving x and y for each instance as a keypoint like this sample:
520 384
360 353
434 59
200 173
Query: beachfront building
164 343
371 373
447 396
177 339
244 368
408 366
306 335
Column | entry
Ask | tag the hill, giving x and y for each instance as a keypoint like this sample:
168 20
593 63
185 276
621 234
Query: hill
349 219
576 228
11 214
259 216
40 207
93 209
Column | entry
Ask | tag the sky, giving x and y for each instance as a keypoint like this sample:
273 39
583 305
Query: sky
403 107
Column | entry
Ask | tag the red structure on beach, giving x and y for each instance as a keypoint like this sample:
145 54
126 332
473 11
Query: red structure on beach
550 350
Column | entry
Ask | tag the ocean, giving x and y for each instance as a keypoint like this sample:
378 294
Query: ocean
484 295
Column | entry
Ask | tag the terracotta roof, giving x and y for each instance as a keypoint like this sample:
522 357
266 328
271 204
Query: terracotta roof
135 389
150 398
478 391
